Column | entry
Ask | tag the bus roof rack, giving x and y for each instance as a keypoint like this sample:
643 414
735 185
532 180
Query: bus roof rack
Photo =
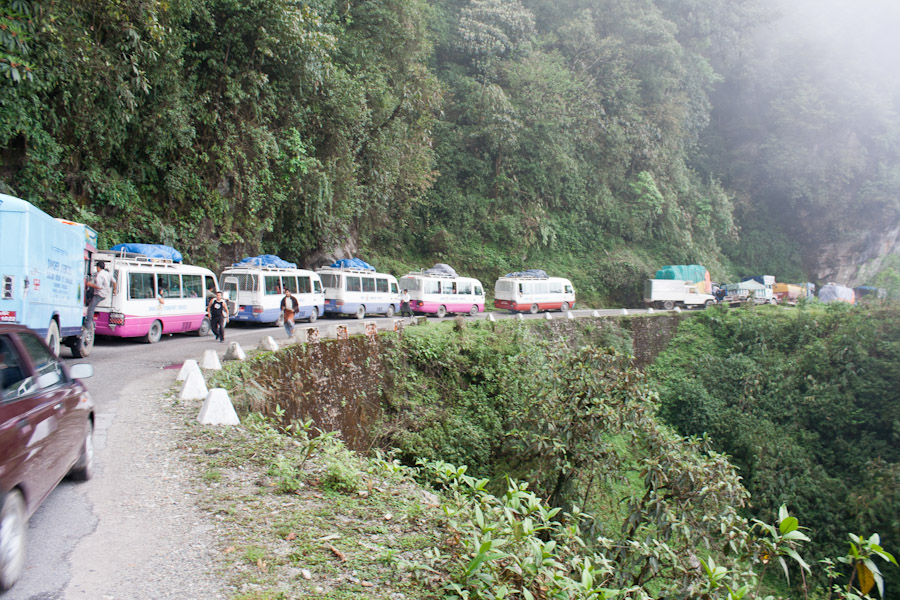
330 269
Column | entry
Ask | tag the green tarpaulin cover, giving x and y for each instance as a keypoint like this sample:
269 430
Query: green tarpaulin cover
692 273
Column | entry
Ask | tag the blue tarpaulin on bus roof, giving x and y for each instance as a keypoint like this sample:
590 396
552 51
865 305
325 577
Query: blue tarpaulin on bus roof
150 251
536 273
268 260
352 263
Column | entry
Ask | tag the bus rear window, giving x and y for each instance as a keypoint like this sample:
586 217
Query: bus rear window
409 283
505 286
247 282
331 281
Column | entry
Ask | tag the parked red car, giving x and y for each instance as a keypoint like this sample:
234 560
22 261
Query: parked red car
46 432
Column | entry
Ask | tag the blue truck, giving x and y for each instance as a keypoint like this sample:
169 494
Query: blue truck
44 264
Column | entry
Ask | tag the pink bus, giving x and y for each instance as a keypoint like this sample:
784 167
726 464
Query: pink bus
152 297
439 294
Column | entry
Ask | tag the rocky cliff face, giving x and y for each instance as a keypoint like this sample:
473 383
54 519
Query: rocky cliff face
856 261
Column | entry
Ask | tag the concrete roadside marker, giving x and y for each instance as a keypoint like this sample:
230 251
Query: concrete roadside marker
187 368
422 320
569 315
650 311
210 361
235 352
491 318
268 343
371 328
548 316
677 309
624 311
194 387
217 409
520 317
312 335
596 313
399 324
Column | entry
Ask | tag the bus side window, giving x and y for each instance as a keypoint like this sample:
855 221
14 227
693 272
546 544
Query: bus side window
140 286
193 286
381 285
273 285
479 291
569 289
394 289
304 285
317 286
353 284
521 288
465 287
368 284
290 283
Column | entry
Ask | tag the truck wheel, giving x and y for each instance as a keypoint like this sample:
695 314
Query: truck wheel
155 333
708 303
52 338
533 309
82 345
668 305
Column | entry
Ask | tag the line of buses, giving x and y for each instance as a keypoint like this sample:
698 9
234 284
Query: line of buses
152 297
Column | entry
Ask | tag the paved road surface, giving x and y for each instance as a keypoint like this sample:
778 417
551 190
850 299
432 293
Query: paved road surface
134 531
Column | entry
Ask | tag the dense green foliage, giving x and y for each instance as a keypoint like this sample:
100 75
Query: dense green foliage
574 135
807 404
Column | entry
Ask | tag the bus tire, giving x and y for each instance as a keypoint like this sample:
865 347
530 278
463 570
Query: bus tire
155 333
204 329
473 311
52 337
668 305
314 315
390 311
360 312
83 344
708 303
533 309
564 307
441 311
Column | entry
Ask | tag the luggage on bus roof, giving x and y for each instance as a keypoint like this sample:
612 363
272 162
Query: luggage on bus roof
441 269
352 263
267 260
150 251
536 273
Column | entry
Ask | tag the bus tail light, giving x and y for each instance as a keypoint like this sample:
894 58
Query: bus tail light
116 318
338 302
257 310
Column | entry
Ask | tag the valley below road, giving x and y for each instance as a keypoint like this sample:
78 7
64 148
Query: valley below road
135 531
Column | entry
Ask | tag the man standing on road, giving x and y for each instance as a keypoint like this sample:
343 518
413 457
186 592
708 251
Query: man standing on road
216 311
289 307
102 285
404 304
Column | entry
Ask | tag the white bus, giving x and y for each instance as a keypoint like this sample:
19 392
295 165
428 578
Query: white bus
358 292
257 291
527 292
439 294
152 297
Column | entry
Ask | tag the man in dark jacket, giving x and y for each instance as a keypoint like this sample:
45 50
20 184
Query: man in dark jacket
216 311
289 307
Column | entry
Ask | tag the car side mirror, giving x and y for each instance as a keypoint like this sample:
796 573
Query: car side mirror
81 371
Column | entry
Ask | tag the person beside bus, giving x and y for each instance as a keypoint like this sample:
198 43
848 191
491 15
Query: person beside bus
289 307
102 286
405 310
216 311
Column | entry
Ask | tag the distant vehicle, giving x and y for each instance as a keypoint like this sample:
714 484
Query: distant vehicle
359 290
533 291
758 290
257 291
46 432
153 296
43 265
833 292
788 293
667 294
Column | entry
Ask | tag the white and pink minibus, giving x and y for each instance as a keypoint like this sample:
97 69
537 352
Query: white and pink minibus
152 297
439 293
533 291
